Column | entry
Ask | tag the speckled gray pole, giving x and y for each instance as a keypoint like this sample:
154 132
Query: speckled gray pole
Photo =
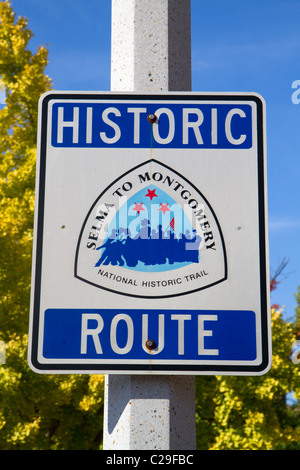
151 45
151 52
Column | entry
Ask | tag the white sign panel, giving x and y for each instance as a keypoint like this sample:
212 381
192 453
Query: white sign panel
150 246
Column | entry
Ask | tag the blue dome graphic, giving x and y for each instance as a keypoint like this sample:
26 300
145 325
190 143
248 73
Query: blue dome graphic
151 233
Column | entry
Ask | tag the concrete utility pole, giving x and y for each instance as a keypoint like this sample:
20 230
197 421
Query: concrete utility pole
151 52
151 45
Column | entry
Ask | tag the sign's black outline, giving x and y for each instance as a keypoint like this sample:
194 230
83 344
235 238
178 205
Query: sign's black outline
168 369
152 296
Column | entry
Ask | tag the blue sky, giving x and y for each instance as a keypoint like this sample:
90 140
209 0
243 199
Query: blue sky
247 46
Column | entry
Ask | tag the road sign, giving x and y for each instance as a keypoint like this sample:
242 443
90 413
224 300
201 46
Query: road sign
150 245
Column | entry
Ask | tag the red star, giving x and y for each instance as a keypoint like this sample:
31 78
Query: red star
151 193
138 207
164 208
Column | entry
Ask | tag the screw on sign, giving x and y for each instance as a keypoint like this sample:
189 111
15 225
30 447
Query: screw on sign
150 344
152 118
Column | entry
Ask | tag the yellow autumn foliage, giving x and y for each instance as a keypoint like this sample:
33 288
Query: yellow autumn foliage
37 411
251 413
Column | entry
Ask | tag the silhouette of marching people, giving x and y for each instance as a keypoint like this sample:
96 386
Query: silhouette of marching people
150 246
